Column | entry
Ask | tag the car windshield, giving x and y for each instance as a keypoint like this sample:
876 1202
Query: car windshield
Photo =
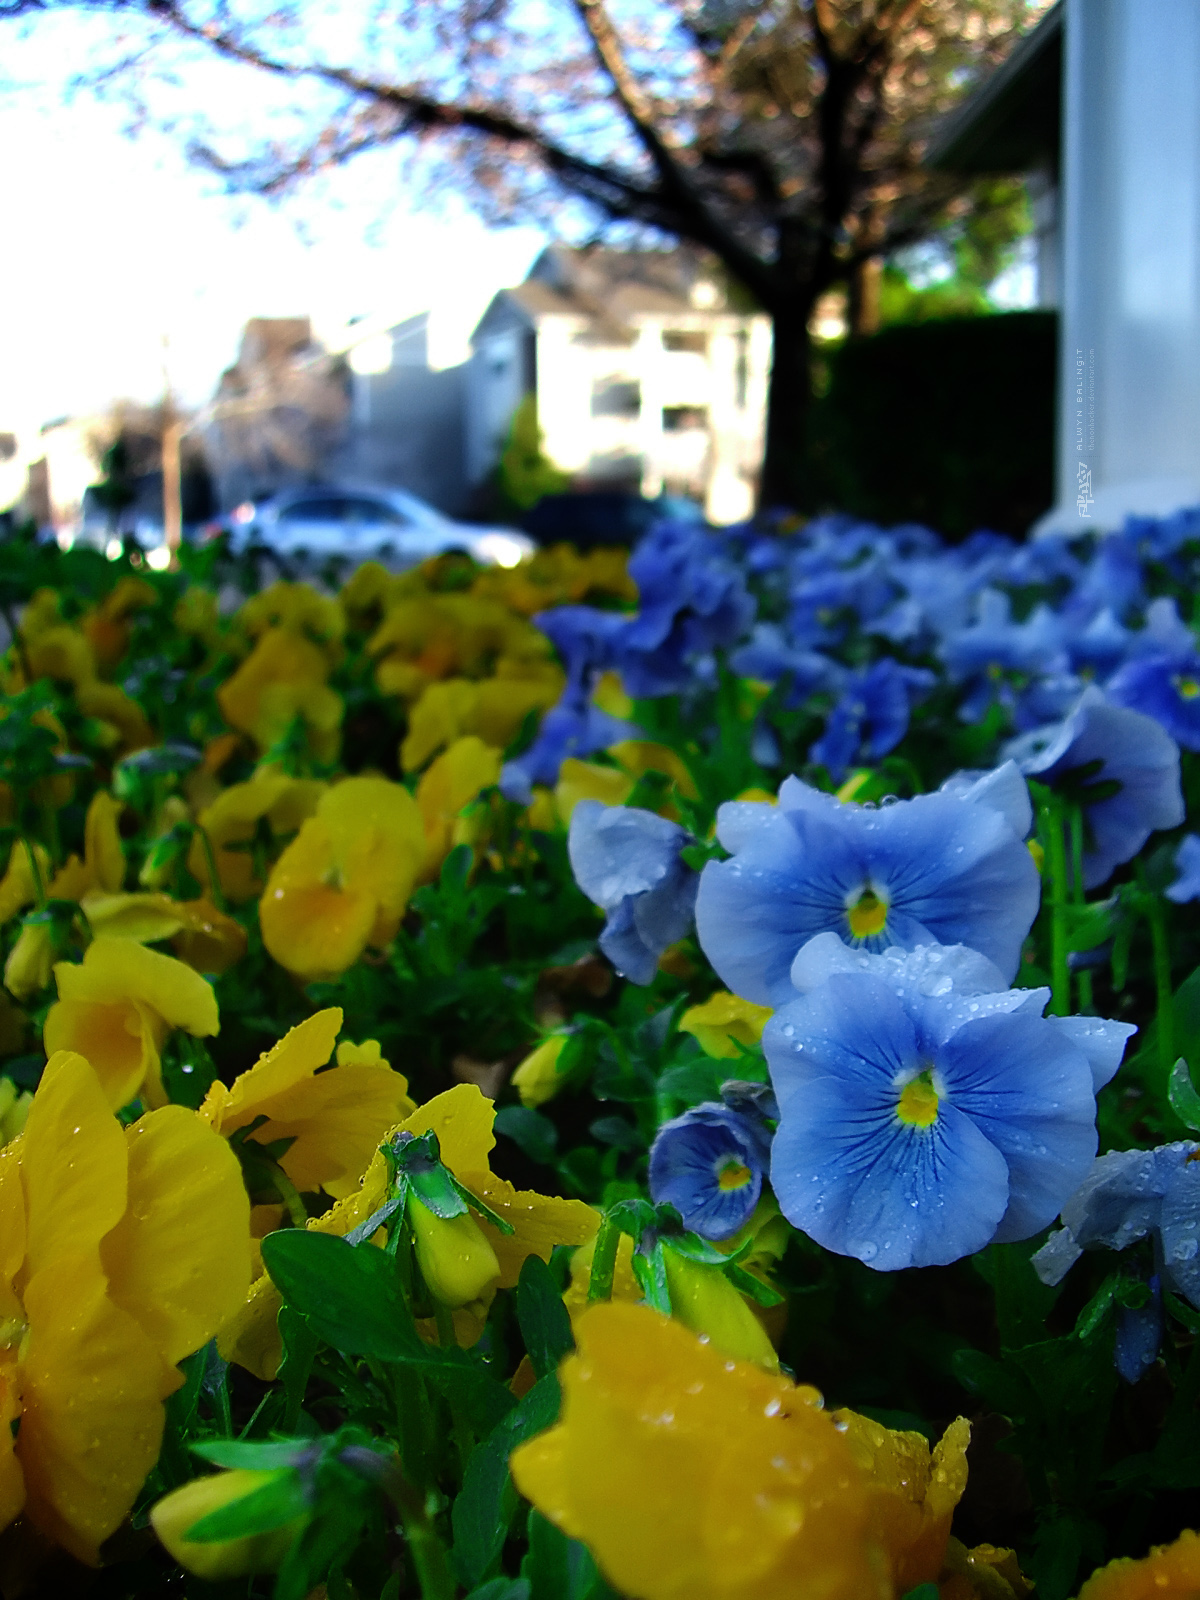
355 509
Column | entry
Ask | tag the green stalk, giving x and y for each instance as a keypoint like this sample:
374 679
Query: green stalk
210 861
290 1195
1051 819
39 887
1161 945
430 1558
604 1261
1087 1000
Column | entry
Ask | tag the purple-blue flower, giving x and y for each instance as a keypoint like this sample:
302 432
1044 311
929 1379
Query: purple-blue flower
1164 687
1187 864
995 656
924 1109
1130 1195
946 868
1098 745
871 716
709 1164
627 861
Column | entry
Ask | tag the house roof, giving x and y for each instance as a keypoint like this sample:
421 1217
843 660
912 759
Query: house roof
1012 123
606 288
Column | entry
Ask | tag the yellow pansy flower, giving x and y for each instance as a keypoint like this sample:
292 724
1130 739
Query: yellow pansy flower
334 1118
121 1252
109 625
284 677
723 1022
1169 1572
344 881
458 776
694 1478
18 887
298 607
232 820
494 709
119 1004
126 726
462 1120
174 1516
588 780
982 1573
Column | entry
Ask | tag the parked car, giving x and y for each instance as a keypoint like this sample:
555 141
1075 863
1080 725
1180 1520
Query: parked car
389 525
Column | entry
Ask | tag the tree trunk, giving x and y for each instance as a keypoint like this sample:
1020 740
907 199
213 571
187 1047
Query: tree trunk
789 400
865 283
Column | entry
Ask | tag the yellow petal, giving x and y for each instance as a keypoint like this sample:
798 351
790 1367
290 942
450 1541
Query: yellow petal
456 778
438 718
120 1047
17 887
144 918
12 1233
250 1338
296 1057
73 1164
337 1121
462 1119
723 1019
12 1479
209 941
119 969
639 756
175 1515
537 1078
586 780
539 1221
179 1259
92 1387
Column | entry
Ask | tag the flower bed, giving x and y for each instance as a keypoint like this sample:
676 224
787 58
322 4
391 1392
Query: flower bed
662 1079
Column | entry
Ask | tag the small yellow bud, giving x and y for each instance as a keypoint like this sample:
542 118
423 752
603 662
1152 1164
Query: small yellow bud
704 1300
179 1511
455 1258
537 1079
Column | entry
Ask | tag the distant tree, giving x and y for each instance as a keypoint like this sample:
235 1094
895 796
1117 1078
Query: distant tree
525 473
785 136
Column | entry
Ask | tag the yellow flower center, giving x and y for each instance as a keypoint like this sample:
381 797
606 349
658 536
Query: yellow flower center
918 1105
1188 688
733 1175
868 915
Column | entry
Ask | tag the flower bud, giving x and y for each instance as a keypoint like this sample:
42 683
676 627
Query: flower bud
455 1258
704 1300
179 1511
538 1079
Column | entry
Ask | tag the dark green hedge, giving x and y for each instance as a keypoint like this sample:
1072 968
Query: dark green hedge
948 423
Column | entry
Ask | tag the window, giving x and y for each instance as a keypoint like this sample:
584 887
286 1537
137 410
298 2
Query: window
684 419
679 339
616 397
342 509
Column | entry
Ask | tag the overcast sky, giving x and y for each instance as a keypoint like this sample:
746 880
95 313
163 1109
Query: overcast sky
110 243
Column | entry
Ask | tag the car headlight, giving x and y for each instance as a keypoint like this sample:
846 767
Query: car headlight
501 549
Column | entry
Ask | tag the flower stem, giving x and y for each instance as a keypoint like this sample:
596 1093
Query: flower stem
1160 943
1084 978
604 1261
1051 819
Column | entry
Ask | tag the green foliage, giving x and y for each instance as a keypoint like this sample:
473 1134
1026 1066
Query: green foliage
525 473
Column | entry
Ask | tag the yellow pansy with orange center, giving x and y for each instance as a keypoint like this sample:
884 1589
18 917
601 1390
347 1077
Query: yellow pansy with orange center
462 1120
121 1252
1170 1572
335 1118
344 881
119 1004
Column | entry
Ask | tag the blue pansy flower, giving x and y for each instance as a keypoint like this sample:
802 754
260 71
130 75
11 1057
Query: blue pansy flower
946 868
1165 687
1103 744
924 1109
627 861
995 656
1187 864
709 1164
574 727
871 716
768 656
1131 1195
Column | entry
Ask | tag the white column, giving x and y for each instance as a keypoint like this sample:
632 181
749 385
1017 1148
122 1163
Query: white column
1129 378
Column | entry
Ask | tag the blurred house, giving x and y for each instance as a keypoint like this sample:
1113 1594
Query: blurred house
646 376
406 425
280 412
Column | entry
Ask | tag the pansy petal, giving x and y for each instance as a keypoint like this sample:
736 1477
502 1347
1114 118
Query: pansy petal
179 1259
539 1222
73 1164
92 1391
294 1058
462 1119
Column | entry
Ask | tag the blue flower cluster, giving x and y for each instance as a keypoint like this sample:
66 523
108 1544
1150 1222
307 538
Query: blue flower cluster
920 1106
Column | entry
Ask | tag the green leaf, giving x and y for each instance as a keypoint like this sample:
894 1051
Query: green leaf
257 1454
279 1501
349 1293
502 1589
923 1591
530 1131
545 1325
1181 1092
559 1568
300 1344
487 1503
